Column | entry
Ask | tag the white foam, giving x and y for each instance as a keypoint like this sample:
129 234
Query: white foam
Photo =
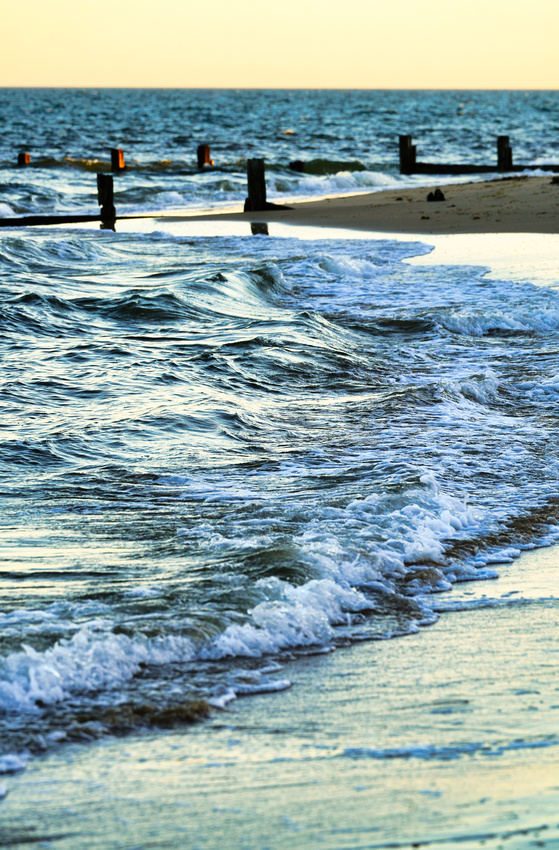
60 617
208 538
12 763
224 699
425 519
481 389
313 185
369 543
480 323
353 267
291 616
94 658
271 686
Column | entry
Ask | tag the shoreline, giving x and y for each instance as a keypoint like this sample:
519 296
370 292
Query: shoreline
520 204
444 738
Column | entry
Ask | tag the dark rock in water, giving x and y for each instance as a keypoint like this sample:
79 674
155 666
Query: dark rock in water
126 717
326 166
437 195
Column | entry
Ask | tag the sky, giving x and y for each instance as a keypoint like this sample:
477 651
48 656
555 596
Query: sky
281 43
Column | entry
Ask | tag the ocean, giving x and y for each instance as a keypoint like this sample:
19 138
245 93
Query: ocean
348 140
222 454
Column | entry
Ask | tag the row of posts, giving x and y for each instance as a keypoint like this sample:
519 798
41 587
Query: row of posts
203 156
256 200
117 159
410 165
408 159
256 179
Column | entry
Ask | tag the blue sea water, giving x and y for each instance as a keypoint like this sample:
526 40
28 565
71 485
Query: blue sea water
220 452
349 139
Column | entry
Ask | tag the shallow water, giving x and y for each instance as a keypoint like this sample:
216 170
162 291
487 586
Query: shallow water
217 451
447 738
221 453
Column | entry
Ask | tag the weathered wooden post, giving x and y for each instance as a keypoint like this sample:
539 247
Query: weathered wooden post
256 186
504 154
407 155
105 198
117 159
204 156
23 158
259 228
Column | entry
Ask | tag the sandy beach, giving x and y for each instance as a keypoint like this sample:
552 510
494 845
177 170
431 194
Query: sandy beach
521 204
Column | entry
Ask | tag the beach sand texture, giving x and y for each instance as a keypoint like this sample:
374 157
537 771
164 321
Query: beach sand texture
507 205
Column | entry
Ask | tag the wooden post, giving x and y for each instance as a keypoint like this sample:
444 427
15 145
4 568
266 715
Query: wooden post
23 158
105 198
407 155
204 156
504 154
259 228
256 186
117 159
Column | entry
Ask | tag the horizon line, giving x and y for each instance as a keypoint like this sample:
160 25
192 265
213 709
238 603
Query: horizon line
277 88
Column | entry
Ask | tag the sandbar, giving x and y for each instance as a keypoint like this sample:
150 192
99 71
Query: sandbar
521 204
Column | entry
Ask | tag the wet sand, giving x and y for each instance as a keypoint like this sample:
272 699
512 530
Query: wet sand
520 204
446 738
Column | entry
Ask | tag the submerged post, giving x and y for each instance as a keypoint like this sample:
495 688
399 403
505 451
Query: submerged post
204 156
256 186
504 154
117 159
105 198
407 155
259 228
23 158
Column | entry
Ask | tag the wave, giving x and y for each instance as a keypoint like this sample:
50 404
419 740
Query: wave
515 321
94 658
380 587
271 449
54 185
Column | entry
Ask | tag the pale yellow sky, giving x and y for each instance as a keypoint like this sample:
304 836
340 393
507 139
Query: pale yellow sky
281 44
